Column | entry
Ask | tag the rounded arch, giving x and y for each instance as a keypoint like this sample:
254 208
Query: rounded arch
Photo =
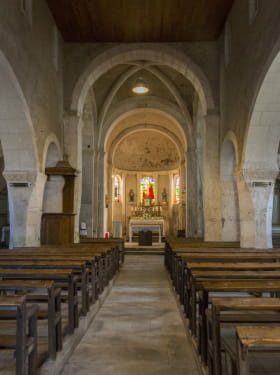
141 127
16 129
231 137
159 55
53 192
263 130
52 152
134 105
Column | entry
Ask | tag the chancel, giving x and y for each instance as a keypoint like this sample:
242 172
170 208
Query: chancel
139 173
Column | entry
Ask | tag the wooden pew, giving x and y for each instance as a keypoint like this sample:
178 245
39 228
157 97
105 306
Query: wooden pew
56 275
252 339
239 266
104 260
77 267
235 310
25 339
53 260
51 298
180 275
231 286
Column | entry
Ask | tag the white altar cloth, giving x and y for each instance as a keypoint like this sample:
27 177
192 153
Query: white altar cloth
154 225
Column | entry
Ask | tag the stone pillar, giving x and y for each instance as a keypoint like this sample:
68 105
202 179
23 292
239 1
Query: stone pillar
108 198
87 186
211 180
25 191
73 151
98 194
255 193
192 194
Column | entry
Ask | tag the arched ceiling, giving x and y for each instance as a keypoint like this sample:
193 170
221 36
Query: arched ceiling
114 88
145 119
146 150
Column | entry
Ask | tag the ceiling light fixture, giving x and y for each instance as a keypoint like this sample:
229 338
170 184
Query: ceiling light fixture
140 86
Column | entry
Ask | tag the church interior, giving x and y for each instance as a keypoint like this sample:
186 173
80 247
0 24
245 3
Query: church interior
139 187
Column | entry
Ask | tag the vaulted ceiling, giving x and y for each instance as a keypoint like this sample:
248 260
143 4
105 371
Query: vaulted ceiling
140 20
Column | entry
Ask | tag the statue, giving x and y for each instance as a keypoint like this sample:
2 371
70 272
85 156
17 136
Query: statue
131 195
164 195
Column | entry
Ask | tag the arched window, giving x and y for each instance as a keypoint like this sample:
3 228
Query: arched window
177 189
116 188
147 187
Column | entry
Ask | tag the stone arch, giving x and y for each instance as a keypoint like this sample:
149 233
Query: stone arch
230 207
138 128
141 104
263 132
164 79
161 55
259 167
21 160
52 152
17 133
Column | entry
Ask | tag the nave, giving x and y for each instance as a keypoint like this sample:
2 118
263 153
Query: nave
139 329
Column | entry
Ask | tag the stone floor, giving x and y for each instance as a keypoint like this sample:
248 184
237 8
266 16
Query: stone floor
138 330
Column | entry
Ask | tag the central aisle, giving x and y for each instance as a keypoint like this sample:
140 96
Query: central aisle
138 330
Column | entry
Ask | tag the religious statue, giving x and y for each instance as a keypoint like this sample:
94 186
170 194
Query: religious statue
164 195
131 195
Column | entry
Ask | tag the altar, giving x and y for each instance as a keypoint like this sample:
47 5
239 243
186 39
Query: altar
154 225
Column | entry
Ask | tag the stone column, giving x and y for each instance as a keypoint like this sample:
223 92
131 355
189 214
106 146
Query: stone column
211 180
192 194
109 194
73 151
25 191
255 193
98 193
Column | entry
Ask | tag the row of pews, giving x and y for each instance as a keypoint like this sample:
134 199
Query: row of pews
230 297
43 293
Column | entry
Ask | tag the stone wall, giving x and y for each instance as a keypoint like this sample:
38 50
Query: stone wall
28 43
252 48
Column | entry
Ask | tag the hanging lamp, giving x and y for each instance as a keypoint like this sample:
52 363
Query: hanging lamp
140 86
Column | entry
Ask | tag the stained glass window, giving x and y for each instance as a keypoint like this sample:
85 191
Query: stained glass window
177 189
116 188
147 187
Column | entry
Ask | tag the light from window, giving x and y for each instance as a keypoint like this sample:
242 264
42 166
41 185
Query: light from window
147 187
177 189
116 188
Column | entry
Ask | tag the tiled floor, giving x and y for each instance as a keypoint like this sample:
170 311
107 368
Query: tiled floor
138 330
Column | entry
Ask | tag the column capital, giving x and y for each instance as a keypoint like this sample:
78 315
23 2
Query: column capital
28 177
256 177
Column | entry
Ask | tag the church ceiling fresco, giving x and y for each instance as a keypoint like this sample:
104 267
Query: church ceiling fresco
146 151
